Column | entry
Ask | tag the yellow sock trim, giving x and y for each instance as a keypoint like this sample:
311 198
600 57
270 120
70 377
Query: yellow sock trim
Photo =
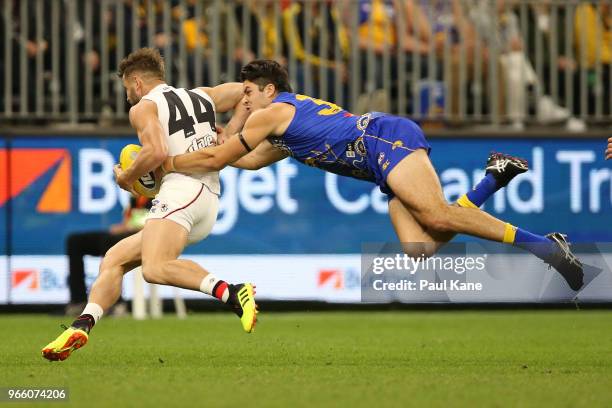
465 202
509 234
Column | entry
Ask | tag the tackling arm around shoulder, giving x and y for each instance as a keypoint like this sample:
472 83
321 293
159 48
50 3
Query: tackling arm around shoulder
259 126
225 96
228 97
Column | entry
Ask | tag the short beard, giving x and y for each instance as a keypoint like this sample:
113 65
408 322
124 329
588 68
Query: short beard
137 99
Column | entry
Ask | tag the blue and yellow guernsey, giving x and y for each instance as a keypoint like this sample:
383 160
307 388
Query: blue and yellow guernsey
365 147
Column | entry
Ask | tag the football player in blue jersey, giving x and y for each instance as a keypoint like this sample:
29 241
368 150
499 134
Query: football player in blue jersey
388 150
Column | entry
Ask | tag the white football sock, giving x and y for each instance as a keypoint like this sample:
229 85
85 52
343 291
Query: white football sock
208 285
95 310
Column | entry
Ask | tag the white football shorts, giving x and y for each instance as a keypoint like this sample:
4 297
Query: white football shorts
190 204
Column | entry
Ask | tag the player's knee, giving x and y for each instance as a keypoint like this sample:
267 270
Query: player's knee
110 260
113 260
152 273
419 249
106 270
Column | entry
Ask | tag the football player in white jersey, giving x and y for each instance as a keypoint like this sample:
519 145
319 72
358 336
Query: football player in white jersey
168 121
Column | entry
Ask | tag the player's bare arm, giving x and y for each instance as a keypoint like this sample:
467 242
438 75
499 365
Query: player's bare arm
263 155
143 118
225 96
609 149
272 120
228 97
235 124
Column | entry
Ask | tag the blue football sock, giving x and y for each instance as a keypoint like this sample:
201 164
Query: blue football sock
483 190
480 193
538 245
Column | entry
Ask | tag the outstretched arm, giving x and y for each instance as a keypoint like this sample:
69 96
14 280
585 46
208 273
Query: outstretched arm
260 125
262 156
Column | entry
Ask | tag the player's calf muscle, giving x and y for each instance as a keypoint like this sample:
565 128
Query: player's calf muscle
439 219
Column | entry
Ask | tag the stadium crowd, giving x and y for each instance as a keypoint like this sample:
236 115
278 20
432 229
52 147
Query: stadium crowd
462 42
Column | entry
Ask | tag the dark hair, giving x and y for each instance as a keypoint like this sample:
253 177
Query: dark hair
264 72
144 60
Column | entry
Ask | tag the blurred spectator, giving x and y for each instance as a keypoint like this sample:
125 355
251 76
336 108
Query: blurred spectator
451 40
96 243
194 28
325 27
264 30
444 24
520 79
593 34
377 25
593 43
87 60
194 32
25 39
551 40
376 31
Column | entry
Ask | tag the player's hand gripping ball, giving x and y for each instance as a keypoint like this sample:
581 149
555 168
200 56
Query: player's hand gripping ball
147 185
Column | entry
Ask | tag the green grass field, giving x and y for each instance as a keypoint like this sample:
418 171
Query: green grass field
371 359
